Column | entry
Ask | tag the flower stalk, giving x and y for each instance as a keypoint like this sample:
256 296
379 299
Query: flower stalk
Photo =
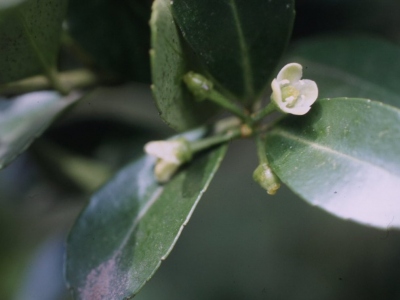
263 174
202 89
172 154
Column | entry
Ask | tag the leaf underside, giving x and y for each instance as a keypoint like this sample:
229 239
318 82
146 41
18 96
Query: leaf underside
131 225
24 118
343 156
351 67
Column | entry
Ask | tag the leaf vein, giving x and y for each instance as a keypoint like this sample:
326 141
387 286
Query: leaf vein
314 145
246 63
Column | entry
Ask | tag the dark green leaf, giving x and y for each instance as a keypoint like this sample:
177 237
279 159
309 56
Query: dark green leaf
239 41
29 38
352 67
25 118
170 60
343 156
131 225
115 33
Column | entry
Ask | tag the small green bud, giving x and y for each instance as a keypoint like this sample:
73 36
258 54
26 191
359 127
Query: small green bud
199 85
265 177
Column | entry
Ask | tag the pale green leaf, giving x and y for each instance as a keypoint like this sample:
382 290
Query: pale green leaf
343 156
24 118
131 225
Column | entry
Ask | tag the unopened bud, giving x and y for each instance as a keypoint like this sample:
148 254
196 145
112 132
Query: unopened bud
163 170
171 155
266 178
199 85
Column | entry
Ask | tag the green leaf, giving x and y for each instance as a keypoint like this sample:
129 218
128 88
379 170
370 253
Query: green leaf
116 34
6 4
239 41
131 225
29 38
171 59
343 156
25 118
351 67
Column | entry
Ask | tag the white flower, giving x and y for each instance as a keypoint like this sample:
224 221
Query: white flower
292 95
171 155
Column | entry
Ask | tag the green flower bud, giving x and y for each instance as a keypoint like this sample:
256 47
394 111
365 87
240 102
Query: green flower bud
265 177
199 85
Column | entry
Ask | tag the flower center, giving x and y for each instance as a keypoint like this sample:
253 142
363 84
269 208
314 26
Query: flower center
290 95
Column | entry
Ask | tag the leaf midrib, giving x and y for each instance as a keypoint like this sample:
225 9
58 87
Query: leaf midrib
155 195
46 67
245 57
314 145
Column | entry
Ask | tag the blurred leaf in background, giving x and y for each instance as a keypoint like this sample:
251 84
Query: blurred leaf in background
30 38
115 34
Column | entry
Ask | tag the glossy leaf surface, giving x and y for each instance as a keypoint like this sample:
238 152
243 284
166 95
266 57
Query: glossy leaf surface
352 67
24 118
115 34
343 156
239 41
171 59
131 225
29 38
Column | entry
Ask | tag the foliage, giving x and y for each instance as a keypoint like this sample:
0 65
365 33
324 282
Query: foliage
205 60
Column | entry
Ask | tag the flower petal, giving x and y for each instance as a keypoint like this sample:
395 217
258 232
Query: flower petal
276 92
299 110
309 89
291 72
165 150
164 170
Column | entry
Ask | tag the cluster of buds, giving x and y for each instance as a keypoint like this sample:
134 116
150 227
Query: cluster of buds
170 156
290 94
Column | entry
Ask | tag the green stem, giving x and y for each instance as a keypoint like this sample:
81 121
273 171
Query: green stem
69 80
270 108
219 99
225 124
261 150
76 50
217 139
55 81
